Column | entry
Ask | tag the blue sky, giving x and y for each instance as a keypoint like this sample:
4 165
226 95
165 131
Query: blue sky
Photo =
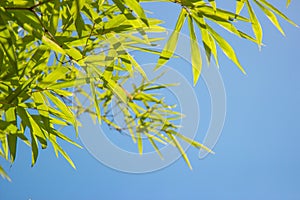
257 156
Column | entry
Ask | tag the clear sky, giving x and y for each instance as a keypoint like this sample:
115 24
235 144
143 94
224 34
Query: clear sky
257 156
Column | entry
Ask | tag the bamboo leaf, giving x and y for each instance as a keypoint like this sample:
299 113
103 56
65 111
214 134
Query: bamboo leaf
226 48
170 46
271 16
95 100
278 12
179 147
207 40
58 73
65 138
192 142
256 27
34 149
72 83
136 7
155 147
130 123
213 4
195 52
239 6
4 174
53 45
63 107
63 153
139 142
209 12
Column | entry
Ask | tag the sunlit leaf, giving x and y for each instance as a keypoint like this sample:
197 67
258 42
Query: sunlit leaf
271 16
195 52
226 48
278 12
256 27
181 150
63 153
170 47
4 174
239 6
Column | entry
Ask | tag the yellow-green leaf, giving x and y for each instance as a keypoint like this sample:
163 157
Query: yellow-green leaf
213 4
192 142
256 27
195 52
139 142
155 147
272 17
179 147
4 174
137 8
170 47
63 153
278 12
239 6
53 45
226 48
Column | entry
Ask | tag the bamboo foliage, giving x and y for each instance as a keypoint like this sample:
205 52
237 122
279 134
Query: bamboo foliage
49 49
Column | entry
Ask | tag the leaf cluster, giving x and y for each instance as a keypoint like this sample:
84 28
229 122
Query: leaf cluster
52 49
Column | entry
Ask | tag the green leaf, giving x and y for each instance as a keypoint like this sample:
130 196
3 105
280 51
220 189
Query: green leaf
273 8
239 6
72 83
226 24
53 45
154 137
136 7
54 76
35 131
62 106
288 3
121 93
131 19
99 60
34 149
65 138
145 97
12 144
170 47
192 142
209 12
137 66
20 90
208 41
101 2
271 16
179 147
213 4
28 21
10 116
195 52
4 174
79 23
54 18
7 43
256 27
155 147
139 142
95 100
226 48
60 150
